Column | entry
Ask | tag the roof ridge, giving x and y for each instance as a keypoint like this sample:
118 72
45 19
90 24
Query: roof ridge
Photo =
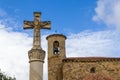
90 59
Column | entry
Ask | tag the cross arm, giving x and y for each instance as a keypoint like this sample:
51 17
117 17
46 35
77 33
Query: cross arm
28 24
45 25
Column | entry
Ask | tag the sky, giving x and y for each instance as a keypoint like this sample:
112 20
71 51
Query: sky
92 28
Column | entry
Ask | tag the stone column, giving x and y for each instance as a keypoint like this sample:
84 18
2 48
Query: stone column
36 54
36 60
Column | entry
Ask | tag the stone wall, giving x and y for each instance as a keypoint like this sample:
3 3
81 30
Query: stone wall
84 68
55 60
108 69
55 68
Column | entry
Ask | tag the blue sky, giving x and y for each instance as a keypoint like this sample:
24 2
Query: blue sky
66 16
92 28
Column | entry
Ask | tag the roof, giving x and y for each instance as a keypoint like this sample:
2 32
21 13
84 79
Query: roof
56 35
90 59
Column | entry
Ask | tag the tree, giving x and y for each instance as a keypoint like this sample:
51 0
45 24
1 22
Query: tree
3 76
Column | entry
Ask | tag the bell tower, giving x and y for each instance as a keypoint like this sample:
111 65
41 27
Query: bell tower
56 52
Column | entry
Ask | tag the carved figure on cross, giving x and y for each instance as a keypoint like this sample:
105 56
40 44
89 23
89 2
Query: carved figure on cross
37 25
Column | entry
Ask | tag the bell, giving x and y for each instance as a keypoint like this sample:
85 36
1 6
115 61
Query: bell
56 50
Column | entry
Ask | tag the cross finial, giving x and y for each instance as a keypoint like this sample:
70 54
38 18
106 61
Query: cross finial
37 25
37 16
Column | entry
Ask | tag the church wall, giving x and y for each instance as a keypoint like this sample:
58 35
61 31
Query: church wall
82 70
55 68
79 68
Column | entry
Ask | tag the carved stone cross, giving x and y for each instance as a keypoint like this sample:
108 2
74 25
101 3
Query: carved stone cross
37 25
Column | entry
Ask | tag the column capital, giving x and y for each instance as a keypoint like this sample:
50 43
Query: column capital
36 55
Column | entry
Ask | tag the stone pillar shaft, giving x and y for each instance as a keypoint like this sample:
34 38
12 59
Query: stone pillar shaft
36 69
36 60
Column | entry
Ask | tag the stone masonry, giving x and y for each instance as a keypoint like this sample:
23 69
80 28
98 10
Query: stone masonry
55 60
79 68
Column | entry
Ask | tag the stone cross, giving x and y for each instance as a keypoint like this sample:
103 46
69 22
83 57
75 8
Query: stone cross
37 25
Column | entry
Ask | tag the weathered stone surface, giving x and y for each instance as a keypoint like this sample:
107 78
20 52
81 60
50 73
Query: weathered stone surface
55 60
81 70
61 39
36 54
36 70
55 68
37 25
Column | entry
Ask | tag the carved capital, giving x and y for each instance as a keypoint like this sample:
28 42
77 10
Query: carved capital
36 55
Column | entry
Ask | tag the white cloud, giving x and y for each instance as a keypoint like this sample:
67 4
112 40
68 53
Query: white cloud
14 48
108 12
101 43
13 53
15 45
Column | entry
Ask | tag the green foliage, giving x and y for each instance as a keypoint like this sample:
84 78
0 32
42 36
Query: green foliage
3 76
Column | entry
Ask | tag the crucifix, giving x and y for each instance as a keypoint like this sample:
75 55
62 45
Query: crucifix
37 25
